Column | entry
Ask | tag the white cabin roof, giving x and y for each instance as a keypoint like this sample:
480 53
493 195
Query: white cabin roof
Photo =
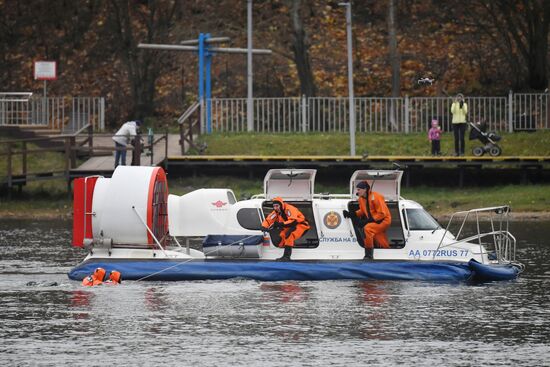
289 184
385 182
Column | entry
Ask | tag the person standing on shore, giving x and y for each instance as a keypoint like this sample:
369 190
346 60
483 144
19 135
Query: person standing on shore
122 138
459 110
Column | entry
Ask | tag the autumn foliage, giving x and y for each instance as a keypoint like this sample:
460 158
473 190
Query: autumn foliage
94 43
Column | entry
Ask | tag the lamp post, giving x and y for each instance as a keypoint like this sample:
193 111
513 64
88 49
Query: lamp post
350 81
249 100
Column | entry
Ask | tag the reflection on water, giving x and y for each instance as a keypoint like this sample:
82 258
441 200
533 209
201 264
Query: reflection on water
284 291
372 294
243 322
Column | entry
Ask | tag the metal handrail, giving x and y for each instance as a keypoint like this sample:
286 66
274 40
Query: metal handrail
188 112
76 133
18 96
501 237
479 236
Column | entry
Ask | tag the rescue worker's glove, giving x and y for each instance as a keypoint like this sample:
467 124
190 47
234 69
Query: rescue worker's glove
278 225
348 214
369 220
265 229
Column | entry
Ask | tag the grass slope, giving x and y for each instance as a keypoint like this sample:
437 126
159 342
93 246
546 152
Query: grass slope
515 144
50 199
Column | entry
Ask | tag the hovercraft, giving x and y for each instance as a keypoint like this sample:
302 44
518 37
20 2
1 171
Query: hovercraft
131 224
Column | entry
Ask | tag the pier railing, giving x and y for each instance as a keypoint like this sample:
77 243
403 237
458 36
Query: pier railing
66 114
16 154
515 112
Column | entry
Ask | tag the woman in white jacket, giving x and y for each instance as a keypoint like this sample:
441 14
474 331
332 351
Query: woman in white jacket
122 138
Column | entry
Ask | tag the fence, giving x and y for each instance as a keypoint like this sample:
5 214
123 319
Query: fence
67 114
21 155
516 112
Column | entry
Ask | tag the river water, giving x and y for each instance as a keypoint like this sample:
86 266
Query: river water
48 320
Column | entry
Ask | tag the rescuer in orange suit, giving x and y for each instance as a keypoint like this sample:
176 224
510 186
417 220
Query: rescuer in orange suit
95 279
114 278
373 209
291 223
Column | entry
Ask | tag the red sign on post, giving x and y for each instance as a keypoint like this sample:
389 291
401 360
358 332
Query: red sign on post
45 70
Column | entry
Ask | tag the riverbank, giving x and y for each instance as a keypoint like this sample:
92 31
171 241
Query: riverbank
67 215
528 202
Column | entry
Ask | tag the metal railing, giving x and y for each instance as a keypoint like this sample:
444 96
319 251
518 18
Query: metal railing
501 243
187 128
13 108
17 153
66 114
515 112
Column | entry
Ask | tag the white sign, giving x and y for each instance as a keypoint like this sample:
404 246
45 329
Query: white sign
45 70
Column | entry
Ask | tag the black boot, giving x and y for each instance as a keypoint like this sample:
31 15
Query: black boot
368 253
286 254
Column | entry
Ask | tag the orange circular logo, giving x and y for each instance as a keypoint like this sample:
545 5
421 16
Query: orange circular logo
332 220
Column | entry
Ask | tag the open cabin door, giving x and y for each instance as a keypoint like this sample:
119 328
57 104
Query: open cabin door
290 184
387 183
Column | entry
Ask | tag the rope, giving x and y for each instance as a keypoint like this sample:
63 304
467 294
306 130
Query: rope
186 261
149 230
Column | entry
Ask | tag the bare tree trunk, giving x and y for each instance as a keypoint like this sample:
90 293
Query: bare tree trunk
395 56
528 29
143 67
538 50
300 48
395 61
520 28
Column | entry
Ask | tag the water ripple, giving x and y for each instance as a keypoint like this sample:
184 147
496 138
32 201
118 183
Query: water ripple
49 320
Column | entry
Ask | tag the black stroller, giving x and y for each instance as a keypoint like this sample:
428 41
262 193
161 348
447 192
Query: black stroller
477 132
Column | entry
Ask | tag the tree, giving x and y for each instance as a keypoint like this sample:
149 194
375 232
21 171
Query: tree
519 29
394 55
143 67
531 18
395 61
300 47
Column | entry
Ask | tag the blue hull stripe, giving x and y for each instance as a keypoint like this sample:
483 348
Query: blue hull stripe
170 270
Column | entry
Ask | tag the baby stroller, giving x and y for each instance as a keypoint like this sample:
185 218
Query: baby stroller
477 132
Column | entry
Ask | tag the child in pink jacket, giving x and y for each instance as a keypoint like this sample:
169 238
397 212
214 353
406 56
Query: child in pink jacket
434 135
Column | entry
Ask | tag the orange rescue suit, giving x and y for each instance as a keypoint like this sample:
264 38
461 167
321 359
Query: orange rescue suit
114 278
95 279
375 231
293 221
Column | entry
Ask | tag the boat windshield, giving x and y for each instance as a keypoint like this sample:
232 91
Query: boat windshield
421 220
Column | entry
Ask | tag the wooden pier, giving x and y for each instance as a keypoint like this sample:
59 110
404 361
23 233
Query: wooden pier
165 149
524 167
97 150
